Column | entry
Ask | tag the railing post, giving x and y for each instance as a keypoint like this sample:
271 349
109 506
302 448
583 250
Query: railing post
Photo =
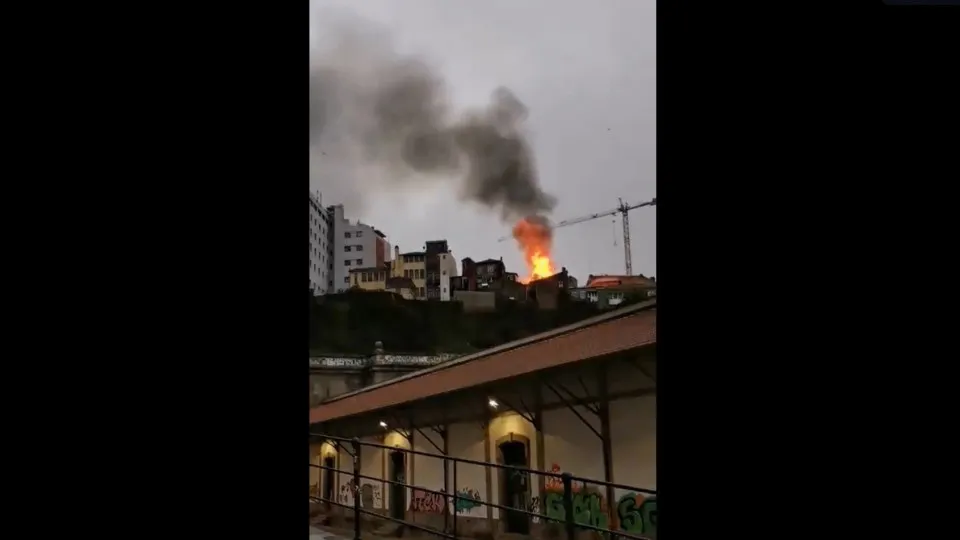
454 499
568 506
446 498
356 488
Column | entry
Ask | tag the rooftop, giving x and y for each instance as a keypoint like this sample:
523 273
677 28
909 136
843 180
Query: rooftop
626 328
605 280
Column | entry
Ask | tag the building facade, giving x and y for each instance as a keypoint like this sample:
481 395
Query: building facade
321 247
355 245
423 275
611 290
579 399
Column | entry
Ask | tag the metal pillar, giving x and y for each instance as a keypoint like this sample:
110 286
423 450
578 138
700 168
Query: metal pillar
604 414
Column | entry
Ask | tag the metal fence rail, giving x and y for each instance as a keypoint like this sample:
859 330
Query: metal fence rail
355 446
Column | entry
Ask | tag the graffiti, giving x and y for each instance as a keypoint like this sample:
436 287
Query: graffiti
552 483
534 507
345 496
588 508
370 496
423 501
329 362
467 500
637 515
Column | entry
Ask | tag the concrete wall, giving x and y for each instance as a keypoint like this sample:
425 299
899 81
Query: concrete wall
476 300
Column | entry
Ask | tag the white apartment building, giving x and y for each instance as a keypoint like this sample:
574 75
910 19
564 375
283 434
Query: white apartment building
448 269
321 247
355 245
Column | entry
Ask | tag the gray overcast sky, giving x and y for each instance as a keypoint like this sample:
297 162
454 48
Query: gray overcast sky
586 71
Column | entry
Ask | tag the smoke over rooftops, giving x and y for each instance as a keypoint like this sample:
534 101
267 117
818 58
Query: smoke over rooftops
380 118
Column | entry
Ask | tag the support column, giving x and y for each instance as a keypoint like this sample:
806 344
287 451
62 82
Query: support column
541 451
488 470
607 446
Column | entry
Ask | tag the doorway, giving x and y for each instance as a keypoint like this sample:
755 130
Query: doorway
398 494
514 486
327 493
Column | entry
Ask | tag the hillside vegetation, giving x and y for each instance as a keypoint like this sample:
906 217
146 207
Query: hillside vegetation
350 323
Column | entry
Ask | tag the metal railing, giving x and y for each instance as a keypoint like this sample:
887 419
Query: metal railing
571 519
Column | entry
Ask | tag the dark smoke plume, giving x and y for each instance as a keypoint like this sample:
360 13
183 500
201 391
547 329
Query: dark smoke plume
380 118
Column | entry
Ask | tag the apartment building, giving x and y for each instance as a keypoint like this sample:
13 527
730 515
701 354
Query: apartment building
356 245
321 246
439 267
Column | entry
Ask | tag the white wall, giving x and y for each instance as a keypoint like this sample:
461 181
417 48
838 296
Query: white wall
367 255
448 269
568 443
466 441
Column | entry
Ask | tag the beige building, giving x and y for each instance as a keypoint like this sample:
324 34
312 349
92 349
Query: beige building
406 275
579 400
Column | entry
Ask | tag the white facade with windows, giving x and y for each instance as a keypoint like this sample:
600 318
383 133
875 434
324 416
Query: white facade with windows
448 269
355 245
321 247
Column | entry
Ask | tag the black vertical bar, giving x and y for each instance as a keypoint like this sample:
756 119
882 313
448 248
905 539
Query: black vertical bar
568 505
454 499
446 485
356 488
603 411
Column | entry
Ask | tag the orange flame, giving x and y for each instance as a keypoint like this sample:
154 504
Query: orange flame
535 238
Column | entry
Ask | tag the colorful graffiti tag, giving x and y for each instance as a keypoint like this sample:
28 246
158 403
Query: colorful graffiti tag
589 507
552 483
467 499
431 503
637 515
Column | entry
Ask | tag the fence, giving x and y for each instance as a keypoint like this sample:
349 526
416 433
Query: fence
573 518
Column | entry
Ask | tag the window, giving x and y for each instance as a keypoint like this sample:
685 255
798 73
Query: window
420 273
359 234
444 272
421 292
346 235
347 248
346 262
359 248
444 290
406 273
345 280
359 262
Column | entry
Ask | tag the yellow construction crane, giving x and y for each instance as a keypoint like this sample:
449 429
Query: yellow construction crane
623 209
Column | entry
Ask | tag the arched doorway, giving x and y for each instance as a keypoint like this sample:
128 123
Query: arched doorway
514 450
327 474
398 494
